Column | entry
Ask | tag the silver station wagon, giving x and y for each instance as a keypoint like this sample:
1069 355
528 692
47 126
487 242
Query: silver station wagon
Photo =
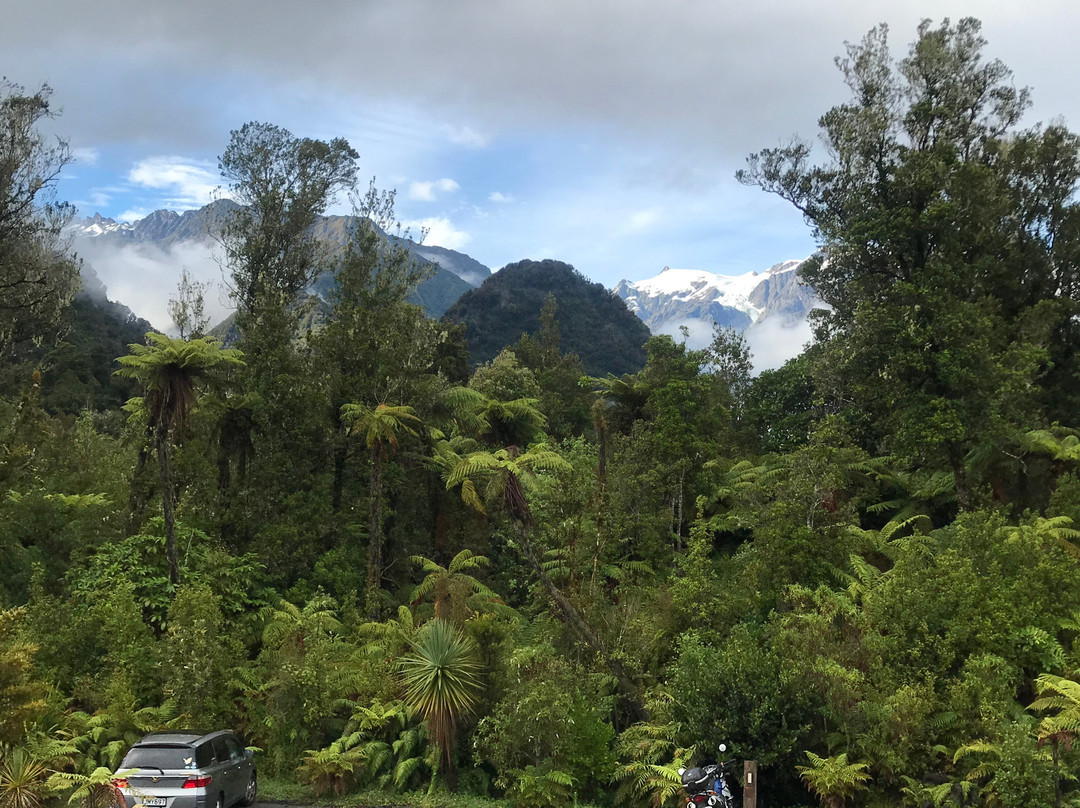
187 770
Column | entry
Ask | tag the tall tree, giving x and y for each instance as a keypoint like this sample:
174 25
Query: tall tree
501 478
375 346
379 428
38 274
452 589
282 183
170 372
949 248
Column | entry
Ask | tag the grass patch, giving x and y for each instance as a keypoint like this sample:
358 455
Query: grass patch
375 798
273 789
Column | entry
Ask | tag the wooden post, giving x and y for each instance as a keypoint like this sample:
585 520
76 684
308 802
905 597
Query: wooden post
750 784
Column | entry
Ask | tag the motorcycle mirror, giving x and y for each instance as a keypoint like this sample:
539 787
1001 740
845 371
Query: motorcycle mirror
723 747
681 772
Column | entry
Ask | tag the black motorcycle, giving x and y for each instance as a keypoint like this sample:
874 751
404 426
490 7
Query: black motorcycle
706 787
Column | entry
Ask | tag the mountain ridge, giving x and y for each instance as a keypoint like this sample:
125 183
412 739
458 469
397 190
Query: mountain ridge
698 299
593 322
453 273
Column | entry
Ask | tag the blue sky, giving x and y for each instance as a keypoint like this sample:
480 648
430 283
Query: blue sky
602 133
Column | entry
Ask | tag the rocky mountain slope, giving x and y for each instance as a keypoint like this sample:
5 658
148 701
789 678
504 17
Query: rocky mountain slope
453 273
697 299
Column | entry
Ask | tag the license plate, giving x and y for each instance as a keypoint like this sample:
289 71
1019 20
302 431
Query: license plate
154 802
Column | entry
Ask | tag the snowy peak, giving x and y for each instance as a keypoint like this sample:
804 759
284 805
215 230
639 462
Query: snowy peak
97 225
695 286
697 299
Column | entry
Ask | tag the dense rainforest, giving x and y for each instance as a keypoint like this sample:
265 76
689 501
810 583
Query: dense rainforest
389 569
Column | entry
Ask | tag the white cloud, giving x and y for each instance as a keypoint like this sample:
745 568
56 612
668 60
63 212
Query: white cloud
133 215
440 232
426 191
773 341
188 183
465 136
144 276
641 220
500 198
85 155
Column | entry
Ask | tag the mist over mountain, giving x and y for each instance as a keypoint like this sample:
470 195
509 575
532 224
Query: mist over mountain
140 262
769 307
77 369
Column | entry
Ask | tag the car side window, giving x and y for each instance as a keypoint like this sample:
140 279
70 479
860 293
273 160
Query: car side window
221 751
204 755
236 752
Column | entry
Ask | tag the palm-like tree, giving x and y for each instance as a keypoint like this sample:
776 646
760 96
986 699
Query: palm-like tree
441 681
504 476
833 779
379 427
1061 445
170 372
288 625
1062 726
452 588
22 780
504 422
917 495
94 790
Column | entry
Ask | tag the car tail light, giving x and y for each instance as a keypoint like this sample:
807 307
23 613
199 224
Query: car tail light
120 782
197 782
700 798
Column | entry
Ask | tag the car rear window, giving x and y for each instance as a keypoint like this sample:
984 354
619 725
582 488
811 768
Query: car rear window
221 751
160 757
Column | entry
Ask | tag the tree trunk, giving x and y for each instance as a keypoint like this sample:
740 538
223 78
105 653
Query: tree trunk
601 489
573 617
141 490
224 475
959 469
341 455
374 570
168 499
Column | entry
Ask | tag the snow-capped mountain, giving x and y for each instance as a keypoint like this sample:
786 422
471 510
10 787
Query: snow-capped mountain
151 252
698 299
97 225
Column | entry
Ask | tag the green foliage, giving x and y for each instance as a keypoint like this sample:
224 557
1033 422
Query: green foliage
140 560
455 593
77 372
833 779
934 216
170 371
299 678
867 555
38 275
541 787
23 780
651 757
504 378
21 697
593 323
46 529
201 654
282 183
94 790
550 718
330 769
441 681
